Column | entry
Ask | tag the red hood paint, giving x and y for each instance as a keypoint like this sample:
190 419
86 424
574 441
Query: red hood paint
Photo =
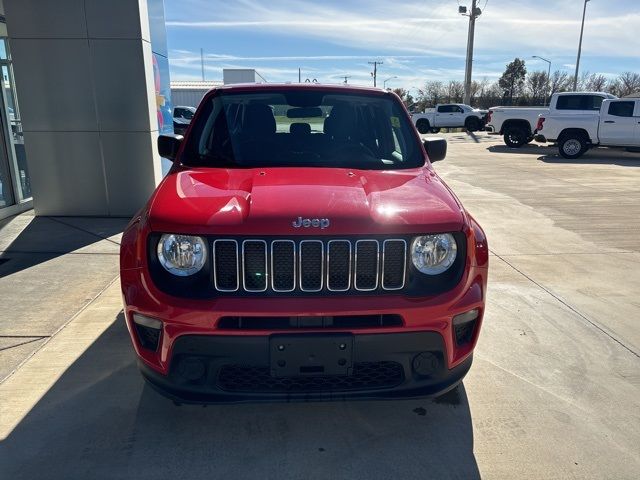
267 201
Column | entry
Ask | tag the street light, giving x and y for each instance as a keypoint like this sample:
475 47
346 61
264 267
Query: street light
575 78
384 84
548 75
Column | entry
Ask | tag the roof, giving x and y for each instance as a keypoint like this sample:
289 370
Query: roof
301 86
195 85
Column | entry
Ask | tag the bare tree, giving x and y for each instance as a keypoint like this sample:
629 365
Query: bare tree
455 91
537 86
404 95
560 81
627 83
595 83
432 94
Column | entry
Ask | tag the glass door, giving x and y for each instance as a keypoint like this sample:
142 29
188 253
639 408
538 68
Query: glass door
15 183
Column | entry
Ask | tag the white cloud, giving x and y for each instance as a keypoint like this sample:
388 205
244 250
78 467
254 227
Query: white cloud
433 27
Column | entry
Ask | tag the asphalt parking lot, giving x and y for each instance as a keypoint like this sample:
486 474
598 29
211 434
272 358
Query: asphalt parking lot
554 391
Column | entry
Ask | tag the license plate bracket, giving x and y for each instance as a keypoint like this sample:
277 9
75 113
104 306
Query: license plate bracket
311 355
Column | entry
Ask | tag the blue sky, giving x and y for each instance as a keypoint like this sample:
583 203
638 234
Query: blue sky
416 40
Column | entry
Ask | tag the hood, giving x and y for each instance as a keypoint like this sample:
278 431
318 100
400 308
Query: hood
269 201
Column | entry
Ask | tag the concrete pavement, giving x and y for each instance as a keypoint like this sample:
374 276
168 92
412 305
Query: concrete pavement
554 391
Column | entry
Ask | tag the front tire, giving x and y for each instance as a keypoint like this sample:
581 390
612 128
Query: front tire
572 145
515 137
423 126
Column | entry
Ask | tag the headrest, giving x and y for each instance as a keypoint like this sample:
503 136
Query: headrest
300 128
258 120
341 122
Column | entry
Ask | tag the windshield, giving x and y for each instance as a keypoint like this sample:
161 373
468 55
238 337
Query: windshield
311 128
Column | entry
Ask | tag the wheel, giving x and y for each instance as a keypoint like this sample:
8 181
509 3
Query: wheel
435 130
472 124
423 126
573 145
515 137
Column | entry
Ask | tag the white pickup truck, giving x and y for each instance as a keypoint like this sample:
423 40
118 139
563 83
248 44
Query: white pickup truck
517 124
617 125
450 115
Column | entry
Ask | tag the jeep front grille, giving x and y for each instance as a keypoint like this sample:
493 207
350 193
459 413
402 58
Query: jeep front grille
333 265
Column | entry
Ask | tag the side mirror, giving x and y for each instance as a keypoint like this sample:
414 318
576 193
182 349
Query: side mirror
168 146
436 148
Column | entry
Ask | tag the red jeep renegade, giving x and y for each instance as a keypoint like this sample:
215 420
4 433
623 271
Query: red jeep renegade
302 247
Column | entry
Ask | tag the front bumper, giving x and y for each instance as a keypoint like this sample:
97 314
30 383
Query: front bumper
231 369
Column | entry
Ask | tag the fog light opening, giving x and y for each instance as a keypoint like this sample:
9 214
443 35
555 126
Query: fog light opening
464 326
192 369
148 331
426 364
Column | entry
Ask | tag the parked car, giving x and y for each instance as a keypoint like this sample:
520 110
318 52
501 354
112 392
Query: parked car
517 124
303 264
616 125
452 115
182 118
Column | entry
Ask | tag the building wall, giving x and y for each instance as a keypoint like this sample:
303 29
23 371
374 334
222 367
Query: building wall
84 72
187 98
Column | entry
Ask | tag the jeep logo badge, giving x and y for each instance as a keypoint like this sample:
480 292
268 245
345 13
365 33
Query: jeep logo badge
311 222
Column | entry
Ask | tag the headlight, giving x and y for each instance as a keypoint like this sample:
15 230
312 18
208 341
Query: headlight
434 254
182 255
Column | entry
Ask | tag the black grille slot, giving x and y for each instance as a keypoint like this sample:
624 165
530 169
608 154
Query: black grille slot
283 265
338 265
225 271
311 265
254 265
366 376
287 323
394 261
366 265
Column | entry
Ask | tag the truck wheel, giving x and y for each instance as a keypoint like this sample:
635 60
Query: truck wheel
573 145
435 130
472 124
423 126
515 137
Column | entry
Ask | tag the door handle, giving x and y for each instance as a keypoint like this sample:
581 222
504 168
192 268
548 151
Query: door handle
611 121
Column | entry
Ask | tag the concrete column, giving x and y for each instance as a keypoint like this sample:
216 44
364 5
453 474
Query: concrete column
85 80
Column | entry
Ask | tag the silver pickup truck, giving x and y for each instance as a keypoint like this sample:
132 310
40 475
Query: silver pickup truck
517 124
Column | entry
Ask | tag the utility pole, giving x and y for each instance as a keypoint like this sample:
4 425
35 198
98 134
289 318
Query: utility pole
299 75
475 13
374 74
202 62
575 78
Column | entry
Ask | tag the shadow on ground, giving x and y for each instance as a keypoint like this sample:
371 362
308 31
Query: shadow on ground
528 149
598 156
595 158
99 421
46 238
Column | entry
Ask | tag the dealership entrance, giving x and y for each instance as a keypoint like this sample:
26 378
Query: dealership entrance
15 183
